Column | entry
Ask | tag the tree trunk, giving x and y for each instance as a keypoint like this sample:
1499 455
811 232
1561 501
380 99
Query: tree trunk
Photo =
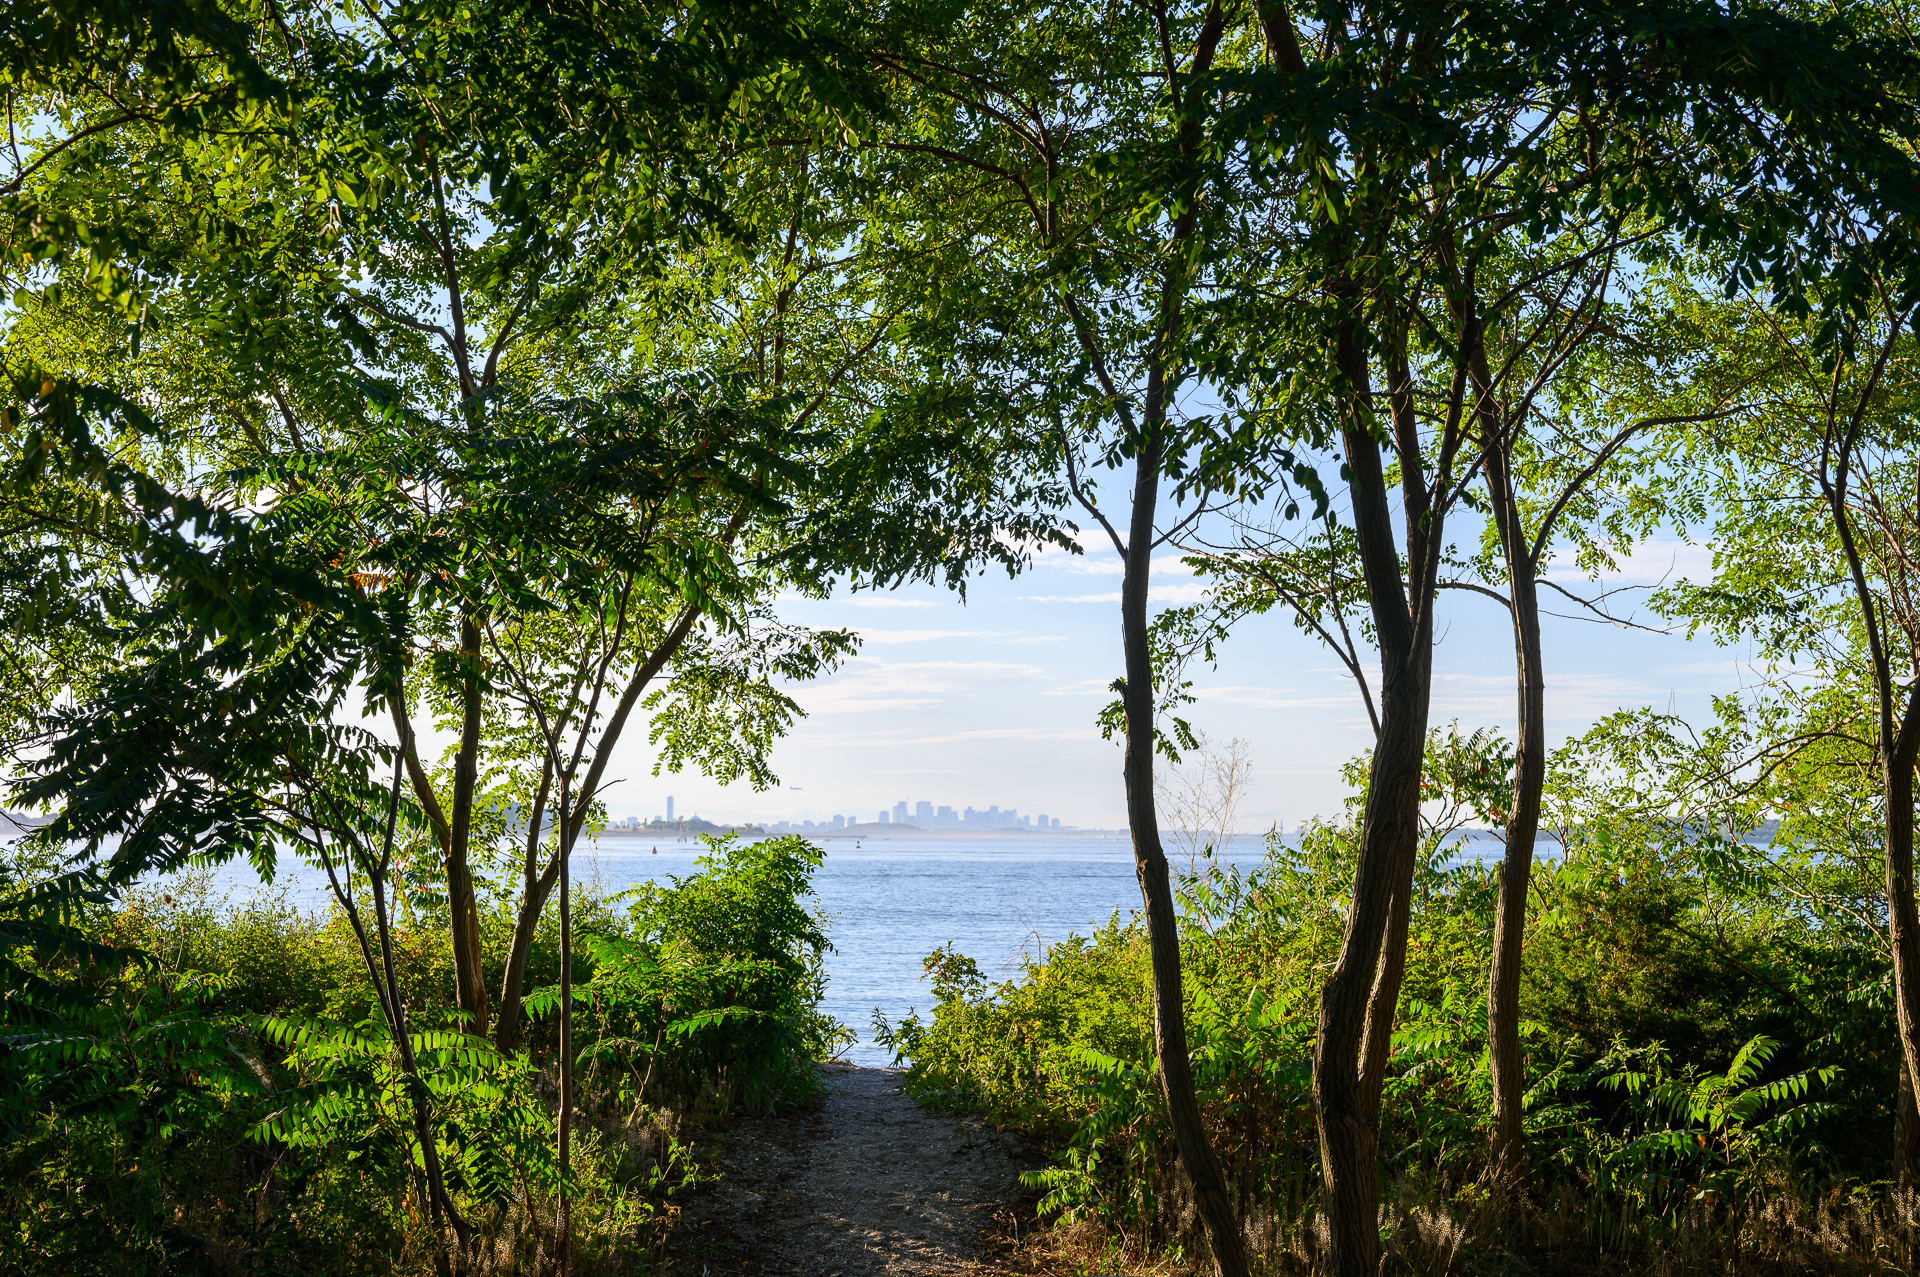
470 982
1903 926
1906 1131
1357 1003
1523 827
1150 866
564 1136
533 903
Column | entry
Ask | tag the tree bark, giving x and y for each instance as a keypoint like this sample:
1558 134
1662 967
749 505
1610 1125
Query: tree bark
1899 742
1150 866
1906 1131
537 891
1523 825
1903 920
1358 1000
470 981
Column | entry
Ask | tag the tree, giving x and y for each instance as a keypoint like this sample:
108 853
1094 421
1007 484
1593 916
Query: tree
1048 178
1828 436
1411 150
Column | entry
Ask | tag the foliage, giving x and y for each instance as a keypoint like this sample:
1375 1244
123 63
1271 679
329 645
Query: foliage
715 980
231 1094
1683 1043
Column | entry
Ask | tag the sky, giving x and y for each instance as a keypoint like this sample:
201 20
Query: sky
992 701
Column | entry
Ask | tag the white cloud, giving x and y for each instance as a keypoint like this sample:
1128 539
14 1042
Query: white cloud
870 686
1178 594
1088 687
1661 560
1274 698
928 636
907 736
1164 595
1109 564
1482 698
879 602
1068 598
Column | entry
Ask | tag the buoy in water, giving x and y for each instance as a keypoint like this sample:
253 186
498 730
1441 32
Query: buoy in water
656 851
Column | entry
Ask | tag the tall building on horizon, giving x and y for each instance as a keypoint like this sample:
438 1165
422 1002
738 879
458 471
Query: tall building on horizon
669 806
900 812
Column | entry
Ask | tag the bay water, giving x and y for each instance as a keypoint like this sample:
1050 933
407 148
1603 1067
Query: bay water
889 902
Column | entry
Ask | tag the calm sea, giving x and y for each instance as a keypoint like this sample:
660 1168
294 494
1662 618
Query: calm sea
890 901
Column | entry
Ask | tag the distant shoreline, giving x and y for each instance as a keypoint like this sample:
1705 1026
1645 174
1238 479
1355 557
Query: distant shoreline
876 830
858 831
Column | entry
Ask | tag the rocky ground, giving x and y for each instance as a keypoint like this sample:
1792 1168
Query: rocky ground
866 1184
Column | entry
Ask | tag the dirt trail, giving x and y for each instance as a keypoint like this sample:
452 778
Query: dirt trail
867 1184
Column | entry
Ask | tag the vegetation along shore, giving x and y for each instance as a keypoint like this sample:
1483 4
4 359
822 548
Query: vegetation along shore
413 412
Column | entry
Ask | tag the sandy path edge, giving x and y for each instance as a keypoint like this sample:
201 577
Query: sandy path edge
865 1184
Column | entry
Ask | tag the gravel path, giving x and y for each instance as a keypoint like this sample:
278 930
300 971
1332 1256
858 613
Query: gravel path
867 1184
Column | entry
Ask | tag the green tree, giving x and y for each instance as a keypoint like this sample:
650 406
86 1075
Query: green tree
1058 223
1810 543
1410 150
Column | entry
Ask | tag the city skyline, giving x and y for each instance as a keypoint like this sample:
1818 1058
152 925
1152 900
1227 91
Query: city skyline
926 815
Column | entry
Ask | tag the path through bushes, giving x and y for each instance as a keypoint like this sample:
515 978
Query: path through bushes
867 1184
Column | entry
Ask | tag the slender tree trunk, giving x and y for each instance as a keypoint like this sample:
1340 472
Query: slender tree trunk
1899 746
1523 827
538 889
1357 1003
1150 866
565 1133
1358 1000
1903 920
533 903
1906 1129
470 982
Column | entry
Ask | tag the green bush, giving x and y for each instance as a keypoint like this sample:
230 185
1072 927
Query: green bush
224 1101
1672 1103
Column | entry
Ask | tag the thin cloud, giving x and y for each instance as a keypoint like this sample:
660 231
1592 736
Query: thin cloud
1109 564
1164 594
1090 687
896 602
1490 697
1271 698
1068 598
1651 562
870 686
928 636
910 737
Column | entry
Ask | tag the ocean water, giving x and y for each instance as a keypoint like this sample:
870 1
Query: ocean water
892 900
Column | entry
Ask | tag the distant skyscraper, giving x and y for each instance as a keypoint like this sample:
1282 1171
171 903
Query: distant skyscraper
944 819
839 822
669 806
1056 823
900 813
1039 822
883 815
923 814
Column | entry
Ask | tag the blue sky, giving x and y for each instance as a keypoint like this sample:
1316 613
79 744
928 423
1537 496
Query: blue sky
992 702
